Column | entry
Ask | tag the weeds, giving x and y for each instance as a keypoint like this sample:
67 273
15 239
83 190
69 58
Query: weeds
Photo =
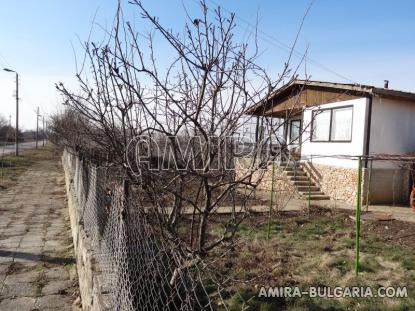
316 252
11 166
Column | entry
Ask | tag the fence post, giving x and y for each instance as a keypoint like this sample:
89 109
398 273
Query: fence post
271 200
368 185
309 193
358 206
126 188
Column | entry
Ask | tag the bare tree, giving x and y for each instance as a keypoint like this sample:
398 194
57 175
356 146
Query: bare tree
175 130
3 121
5 129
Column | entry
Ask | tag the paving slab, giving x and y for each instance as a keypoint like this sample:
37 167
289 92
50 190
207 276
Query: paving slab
54 302
13 290
24 277
56 287
35 242
21 304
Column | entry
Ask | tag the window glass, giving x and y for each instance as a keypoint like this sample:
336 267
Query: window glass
295 130
341 125
321 125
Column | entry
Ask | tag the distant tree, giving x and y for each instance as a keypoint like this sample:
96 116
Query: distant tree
4 128
3 121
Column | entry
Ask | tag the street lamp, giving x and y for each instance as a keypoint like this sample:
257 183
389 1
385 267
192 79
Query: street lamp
17 108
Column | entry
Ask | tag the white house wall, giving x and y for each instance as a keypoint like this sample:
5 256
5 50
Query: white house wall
392 128
318 150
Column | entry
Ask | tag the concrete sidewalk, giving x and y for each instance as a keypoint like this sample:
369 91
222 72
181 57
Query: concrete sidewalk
37 270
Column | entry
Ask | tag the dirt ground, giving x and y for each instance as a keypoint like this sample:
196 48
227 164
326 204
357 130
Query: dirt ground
318 250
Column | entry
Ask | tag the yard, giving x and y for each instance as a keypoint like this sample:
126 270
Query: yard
317 250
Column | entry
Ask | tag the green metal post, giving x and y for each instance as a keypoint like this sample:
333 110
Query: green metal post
271 200
358 206
368 185
309 194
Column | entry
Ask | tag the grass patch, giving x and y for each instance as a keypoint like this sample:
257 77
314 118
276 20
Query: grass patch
69 266
11 166
40 283
247 299
40 267
343 264
318 251
408 262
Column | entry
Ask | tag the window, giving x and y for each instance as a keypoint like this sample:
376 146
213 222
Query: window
321 122
334 124
341 125
295 131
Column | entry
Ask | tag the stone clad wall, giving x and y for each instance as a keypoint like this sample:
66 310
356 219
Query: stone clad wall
388 186
264 177
92 293
283 189
337 182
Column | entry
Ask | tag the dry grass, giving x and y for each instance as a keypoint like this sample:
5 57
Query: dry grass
11 166
318 251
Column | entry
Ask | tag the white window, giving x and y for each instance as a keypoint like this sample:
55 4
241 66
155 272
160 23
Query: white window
321 125
334 124
341 124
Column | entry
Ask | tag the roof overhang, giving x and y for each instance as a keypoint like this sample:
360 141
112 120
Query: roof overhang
294 96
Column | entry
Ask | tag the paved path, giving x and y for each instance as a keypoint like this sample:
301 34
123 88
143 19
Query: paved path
37 267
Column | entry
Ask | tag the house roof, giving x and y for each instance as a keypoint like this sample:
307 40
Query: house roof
303 93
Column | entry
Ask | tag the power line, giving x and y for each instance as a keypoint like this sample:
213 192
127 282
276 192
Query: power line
281 45
3 64
3 61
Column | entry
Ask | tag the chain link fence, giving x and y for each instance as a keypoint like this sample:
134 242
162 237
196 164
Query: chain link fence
142 269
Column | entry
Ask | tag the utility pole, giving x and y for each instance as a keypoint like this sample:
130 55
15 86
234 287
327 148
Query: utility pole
17 114
17 109
43 136
37 125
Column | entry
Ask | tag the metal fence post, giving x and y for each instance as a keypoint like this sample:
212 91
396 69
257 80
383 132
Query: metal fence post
368 185
271 200
358 206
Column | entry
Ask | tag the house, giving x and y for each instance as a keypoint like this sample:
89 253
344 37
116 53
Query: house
329 124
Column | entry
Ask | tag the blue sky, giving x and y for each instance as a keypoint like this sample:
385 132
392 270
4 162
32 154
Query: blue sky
365 41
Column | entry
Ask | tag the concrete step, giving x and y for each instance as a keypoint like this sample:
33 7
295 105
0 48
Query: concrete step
317 197
291 168
306 188
299 178
288 163
295 173
312 193
299 182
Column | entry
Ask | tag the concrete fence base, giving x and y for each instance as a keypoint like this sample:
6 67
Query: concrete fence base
92 292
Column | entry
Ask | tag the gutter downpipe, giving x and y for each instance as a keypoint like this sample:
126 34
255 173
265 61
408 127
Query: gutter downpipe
368 122
367 147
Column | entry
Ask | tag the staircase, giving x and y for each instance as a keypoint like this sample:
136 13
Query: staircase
299 179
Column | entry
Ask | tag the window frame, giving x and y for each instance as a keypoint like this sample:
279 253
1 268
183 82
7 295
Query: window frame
299 134
330 140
